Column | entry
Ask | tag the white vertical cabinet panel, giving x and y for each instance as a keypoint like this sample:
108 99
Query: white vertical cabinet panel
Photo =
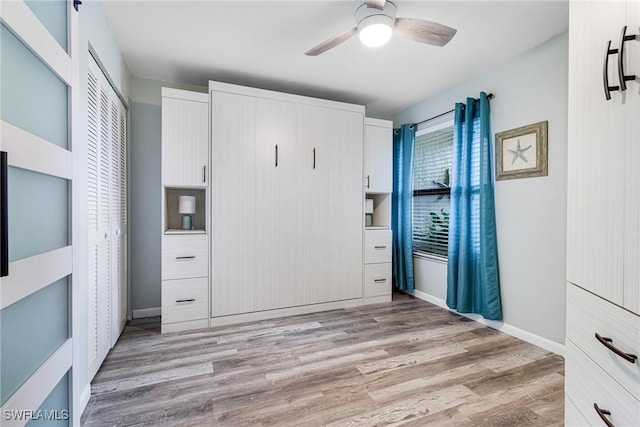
632 162
317 134
277 196
378 165
349 205
235 207
596 153
185 140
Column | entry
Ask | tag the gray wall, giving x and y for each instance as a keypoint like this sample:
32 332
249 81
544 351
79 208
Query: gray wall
531 212
145 191
144 205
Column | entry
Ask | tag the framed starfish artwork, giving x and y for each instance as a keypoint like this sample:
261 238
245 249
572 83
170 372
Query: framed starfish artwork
522 152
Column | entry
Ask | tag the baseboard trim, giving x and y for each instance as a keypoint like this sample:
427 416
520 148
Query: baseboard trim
146 312
84 398
534 339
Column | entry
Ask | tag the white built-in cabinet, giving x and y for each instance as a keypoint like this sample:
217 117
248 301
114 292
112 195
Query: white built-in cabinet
185 253
378 177
378 156
603 226
286 202
106 216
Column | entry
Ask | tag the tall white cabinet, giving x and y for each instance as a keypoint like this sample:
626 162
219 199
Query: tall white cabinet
603 227
286 202
378 176
185 252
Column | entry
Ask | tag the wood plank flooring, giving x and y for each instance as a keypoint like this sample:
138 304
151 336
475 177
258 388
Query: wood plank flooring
406 363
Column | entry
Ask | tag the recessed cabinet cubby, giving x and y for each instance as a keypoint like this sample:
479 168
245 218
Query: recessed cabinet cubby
173 219
381 216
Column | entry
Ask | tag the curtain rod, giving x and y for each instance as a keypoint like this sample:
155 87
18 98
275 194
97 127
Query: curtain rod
490 96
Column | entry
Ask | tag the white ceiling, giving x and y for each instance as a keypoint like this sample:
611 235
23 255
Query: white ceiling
262 44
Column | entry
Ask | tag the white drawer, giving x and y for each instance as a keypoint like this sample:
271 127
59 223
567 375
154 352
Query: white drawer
184 300
587 384
184 257
377 279
377 246
573 417
587 315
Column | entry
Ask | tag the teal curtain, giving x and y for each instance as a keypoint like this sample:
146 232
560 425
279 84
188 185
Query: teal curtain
473 284
402 207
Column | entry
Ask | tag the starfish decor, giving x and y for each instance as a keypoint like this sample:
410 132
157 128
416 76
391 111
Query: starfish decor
519 153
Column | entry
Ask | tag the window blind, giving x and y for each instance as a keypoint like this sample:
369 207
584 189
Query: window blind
431 179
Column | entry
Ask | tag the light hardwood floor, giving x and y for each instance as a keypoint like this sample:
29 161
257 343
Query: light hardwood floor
406 363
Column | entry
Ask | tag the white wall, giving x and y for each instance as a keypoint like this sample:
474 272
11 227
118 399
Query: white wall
531 212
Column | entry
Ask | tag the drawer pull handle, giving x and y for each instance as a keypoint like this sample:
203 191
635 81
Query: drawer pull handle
380 247
608 342
380 280
186 257
602 413
179 301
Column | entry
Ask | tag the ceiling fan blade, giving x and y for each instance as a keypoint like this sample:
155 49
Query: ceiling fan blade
376 4
424 31
331 43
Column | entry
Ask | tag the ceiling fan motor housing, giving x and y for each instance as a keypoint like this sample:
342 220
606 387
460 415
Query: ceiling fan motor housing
366 16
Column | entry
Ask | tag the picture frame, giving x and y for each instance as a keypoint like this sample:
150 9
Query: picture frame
522 152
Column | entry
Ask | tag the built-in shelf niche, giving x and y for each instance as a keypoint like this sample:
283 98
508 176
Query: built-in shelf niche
173 219
381 210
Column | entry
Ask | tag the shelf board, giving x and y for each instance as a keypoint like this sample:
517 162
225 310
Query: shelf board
180 231
377 227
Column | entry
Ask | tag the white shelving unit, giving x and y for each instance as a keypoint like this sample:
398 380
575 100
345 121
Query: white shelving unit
185 253
378 183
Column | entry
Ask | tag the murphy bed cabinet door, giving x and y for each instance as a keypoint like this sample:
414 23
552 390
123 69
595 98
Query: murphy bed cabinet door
234 279
632 164
185 138
349 204
317 131
378 165
596 152
276 216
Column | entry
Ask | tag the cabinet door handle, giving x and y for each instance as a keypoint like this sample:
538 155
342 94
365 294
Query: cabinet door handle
368 181
605 71
204 173
182 301
186 257
380 280
4 216
276 155
380 247
621 76
602 413
314 158
608 342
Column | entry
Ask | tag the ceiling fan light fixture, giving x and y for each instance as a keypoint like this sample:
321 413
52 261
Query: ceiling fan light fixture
375 26
375 34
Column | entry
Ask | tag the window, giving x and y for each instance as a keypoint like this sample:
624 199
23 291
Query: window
431 192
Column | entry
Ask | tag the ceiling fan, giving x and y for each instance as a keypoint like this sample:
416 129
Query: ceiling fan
376 21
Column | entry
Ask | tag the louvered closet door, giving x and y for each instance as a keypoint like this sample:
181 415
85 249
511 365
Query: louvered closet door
107 216
118 220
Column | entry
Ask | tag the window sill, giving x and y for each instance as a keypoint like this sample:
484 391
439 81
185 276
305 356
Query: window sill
430 257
